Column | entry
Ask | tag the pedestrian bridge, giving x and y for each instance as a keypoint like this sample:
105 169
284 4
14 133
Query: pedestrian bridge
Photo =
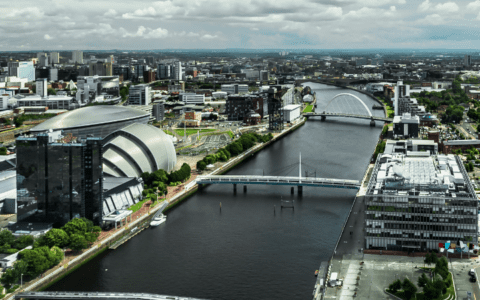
97 295
279 180
349 106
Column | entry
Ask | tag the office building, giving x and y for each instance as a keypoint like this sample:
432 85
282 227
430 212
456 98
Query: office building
77 57
158 112
52 74
138 71
50 101
164 71
263 75
406 126
467 60
139 95
149 76
234 88
41 87
417 201
43 60
100 68
59 178
23 69
237 106
55 57
124 71
95 86
192 98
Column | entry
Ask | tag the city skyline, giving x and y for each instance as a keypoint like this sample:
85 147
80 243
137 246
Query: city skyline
180 24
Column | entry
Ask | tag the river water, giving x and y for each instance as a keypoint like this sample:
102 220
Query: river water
246 250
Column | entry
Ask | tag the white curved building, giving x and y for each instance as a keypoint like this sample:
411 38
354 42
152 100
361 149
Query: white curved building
137 148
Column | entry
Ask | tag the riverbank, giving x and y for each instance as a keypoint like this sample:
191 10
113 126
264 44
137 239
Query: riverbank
178 195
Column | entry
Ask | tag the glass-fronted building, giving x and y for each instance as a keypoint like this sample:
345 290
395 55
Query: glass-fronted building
58 180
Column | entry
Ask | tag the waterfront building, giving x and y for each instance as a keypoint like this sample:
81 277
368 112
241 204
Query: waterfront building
415 202
406 126
137 148
59 178
237 106
291 112
98 121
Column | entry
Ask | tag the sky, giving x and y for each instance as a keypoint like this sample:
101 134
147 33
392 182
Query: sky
253 24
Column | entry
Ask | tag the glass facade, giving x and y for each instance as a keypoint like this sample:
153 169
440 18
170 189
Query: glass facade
59 181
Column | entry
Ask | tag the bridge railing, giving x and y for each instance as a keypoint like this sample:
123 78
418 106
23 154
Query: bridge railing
255 178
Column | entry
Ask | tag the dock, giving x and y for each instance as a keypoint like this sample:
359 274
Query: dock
321 282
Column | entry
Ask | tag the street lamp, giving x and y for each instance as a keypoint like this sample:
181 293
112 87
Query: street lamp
21 280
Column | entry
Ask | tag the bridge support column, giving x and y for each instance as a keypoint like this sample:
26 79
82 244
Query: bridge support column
292 190
323 118
244 188
300 190
372 123
234 188
200 187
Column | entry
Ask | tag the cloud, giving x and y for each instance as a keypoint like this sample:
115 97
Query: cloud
473 5
208 37
47 37
110 13
148 13
447 7
433 19
147 33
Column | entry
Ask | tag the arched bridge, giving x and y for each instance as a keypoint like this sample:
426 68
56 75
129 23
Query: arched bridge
348 106
96 295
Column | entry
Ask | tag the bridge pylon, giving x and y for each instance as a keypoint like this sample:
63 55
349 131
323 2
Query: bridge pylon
372 122
323 118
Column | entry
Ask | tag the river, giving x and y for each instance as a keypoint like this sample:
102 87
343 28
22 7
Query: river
246 250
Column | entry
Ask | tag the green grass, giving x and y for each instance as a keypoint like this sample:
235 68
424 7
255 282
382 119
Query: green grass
180 132
230 133
167 131
308 109
138 205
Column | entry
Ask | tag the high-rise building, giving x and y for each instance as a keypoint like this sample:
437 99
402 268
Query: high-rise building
41 87
158 111
108 69
23 69
467 60
417 201
125 71
164 71
178 71
77 57
139 94
43 60
59 178
149 76
53 74
138 70
54 57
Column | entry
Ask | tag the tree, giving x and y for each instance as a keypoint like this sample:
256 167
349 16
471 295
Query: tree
56 237
409 289
51 91
75 226
201 165
23 241
423 280
439 285
6 237
78 242
395 286
430 258
430 292
441 267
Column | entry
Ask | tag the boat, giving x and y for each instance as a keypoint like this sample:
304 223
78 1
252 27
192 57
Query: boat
316 273
158 220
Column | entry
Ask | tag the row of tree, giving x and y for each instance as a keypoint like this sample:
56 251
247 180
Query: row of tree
9 244
47 250
245 142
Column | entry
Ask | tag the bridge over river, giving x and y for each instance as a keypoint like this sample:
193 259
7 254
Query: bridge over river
97 295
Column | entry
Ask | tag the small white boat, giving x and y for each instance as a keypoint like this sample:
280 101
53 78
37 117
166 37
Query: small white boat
158 220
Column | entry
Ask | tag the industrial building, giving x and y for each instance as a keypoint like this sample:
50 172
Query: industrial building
406 126
405 146
416 201
98 121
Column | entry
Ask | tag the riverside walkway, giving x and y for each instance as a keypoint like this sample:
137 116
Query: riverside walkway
97 295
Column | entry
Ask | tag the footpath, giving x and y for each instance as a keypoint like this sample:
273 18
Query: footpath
106 238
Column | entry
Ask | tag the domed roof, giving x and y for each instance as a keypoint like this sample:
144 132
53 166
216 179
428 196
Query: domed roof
138 148
90 116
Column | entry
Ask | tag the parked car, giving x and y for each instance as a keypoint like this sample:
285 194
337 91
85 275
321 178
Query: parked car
471 272
473 279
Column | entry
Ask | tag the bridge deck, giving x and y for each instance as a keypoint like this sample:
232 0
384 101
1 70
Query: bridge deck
279 180
97 295
348 116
